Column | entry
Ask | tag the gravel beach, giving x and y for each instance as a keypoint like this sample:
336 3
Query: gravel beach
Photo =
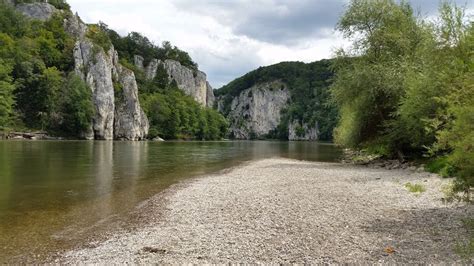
288 211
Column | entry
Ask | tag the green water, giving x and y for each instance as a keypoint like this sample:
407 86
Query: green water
51 193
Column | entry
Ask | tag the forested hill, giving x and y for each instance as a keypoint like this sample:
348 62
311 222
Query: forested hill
309 96
71 79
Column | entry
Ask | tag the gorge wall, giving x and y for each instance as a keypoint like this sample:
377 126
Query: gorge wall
192 82
257 110
115 93
118 113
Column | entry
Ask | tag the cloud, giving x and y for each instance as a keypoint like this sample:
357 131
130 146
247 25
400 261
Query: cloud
273 21
228 38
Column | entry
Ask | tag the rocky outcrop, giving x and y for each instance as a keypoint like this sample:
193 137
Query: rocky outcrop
191 82
38 10
256 111
304 132
100 69
131 122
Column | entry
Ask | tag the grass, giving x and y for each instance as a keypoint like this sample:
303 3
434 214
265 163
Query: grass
415 188
466 250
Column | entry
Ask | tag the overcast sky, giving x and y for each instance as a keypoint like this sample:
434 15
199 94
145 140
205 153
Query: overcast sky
229 38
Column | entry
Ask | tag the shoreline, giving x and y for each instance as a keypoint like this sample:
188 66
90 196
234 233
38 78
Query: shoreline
283 211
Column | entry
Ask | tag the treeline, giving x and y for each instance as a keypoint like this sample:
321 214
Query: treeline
406 87
137 44
37 88
310 96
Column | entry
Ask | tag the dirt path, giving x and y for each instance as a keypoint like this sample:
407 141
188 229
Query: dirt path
280 210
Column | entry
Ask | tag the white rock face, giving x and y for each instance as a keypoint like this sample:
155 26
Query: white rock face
256 111
131 122
40 11
304 132
95 67
150 70
100 69
193 83
138 61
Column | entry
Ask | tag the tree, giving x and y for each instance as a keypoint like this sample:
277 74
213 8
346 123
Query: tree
369 77
77 108
6 94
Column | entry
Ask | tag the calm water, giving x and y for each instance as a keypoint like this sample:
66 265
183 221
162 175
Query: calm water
51 192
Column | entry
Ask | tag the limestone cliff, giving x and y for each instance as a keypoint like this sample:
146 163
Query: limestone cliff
101 69
257 110
131 122
38 10
192 82
304 132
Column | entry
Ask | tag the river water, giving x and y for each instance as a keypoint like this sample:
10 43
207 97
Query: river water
50 192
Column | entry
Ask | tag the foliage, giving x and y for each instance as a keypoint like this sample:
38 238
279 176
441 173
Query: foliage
76 107
34 58
407 85
136 44
174 115
415 188
6 95
466 250
99 37
59 4
308 84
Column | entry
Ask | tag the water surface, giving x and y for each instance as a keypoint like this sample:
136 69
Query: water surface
52 191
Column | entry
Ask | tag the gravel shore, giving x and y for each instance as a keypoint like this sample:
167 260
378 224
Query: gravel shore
287 211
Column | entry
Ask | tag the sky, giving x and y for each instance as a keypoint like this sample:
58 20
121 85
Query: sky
229 38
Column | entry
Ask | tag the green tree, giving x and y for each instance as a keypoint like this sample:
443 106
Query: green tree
6 94
77 108
370 77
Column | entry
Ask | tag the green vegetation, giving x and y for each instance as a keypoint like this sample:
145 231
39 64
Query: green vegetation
405 88
38 89
310 96
59 4
466 250
415 188
136 44
35 58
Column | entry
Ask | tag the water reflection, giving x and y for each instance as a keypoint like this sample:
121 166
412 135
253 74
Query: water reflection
53 190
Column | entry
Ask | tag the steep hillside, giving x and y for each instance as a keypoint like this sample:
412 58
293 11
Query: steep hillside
60 75
289 100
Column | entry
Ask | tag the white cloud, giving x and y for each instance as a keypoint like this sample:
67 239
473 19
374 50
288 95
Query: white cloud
228 38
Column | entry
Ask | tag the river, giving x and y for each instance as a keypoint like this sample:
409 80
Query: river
53 194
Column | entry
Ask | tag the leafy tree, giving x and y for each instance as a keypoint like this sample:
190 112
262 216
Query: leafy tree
369 85
76 107
6 94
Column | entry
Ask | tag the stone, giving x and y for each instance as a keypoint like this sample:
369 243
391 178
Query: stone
158 139
95 66
150 71
305 132
257 110
191 82
131 122
138 61
38 10
100 69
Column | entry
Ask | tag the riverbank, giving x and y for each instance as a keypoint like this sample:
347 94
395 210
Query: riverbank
280 210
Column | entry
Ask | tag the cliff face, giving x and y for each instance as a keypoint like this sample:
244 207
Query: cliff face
192 82
38 10
304 132
256 111
119 119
